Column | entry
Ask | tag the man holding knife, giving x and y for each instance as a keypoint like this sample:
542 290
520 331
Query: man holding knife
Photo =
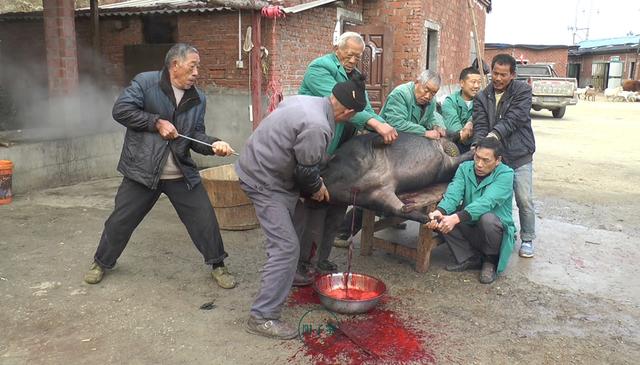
157 108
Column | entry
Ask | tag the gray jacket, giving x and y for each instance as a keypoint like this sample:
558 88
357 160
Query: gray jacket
511 121
284 153
144 153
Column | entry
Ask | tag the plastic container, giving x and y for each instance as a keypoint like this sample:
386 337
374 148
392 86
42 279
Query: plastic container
6 173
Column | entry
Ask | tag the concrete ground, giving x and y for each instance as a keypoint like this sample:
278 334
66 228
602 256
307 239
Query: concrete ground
576 302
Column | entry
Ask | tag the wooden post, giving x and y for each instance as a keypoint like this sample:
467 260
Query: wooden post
366 237
478 50
426 243
256 69
95 38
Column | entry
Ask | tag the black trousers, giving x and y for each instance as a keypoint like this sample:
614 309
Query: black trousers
483 238
134 201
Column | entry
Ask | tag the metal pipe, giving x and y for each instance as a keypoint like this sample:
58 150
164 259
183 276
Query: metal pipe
204 143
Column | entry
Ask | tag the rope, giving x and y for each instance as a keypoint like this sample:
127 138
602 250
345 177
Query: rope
272 12
274 89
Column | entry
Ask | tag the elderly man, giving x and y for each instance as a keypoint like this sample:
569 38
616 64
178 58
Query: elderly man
155 108
321 222
475 213
324 72
457 108
502 110
281 160
410 107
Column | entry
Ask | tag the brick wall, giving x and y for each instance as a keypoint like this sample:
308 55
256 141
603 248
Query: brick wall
626 58
215 35
408 21
115 33
586 62
300 38
557 56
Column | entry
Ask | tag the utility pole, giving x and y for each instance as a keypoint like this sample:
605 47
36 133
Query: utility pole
574 29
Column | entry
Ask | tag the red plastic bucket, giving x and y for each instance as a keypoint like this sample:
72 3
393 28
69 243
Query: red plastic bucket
6 172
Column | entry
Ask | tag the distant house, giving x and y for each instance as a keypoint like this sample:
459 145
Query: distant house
555 55
605 62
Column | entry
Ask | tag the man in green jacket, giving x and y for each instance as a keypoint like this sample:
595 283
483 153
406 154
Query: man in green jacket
319 224
325 72
410 107
475 213
457 108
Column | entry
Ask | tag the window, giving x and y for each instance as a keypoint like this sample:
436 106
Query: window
159 29
632 71
432 49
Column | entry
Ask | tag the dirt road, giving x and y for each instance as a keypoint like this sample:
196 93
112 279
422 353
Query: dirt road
576 302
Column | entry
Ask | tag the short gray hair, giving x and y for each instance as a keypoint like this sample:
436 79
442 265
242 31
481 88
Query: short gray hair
428 75
347 36
178 51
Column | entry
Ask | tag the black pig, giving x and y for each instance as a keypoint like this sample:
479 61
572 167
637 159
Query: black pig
377 172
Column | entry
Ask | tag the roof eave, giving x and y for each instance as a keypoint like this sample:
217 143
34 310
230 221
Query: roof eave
212 5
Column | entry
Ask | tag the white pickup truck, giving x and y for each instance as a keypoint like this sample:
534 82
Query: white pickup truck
549 91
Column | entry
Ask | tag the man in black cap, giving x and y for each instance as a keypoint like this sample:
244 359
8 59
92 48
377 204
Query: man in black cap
280 161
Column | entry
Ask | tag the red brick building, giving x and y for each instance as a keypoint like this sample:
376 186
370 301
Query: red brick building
605 62
556 55
405 37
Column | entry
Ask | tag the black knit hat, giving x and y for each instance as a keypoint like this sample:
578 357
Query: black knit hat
351 94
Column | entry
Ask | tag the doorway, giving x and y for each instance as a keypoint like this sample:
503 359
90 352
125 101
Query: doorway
376 62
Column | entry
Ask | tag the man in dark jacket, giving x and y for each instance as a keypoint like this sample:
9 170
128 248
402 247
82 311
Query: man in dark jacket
155 108
281 160
501 111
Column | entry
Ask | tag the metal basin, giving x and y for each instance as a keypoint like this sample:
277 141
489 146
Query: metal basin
357 294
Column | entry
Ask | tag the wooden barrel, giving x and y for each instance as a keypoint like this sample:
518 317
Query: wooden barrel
233 208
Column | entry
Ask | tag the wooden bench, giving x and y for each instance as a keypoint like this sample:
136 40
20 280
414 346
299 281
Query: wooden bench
425 199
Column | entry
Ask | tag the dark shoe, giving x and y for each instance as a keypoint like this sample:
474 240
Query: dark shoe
488 273
302 278
326 266
94 275
272 328
472 263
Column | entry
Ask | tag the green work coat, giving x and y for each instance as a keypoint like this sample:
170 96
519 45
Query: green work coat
402 111
455 111
492 195
321 76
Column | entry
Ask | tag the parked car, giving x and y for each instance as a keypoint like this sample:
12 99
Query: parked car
549 91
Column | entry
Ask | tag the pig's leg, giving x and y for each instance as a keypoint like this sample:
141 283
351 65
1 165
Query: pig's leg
387 201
